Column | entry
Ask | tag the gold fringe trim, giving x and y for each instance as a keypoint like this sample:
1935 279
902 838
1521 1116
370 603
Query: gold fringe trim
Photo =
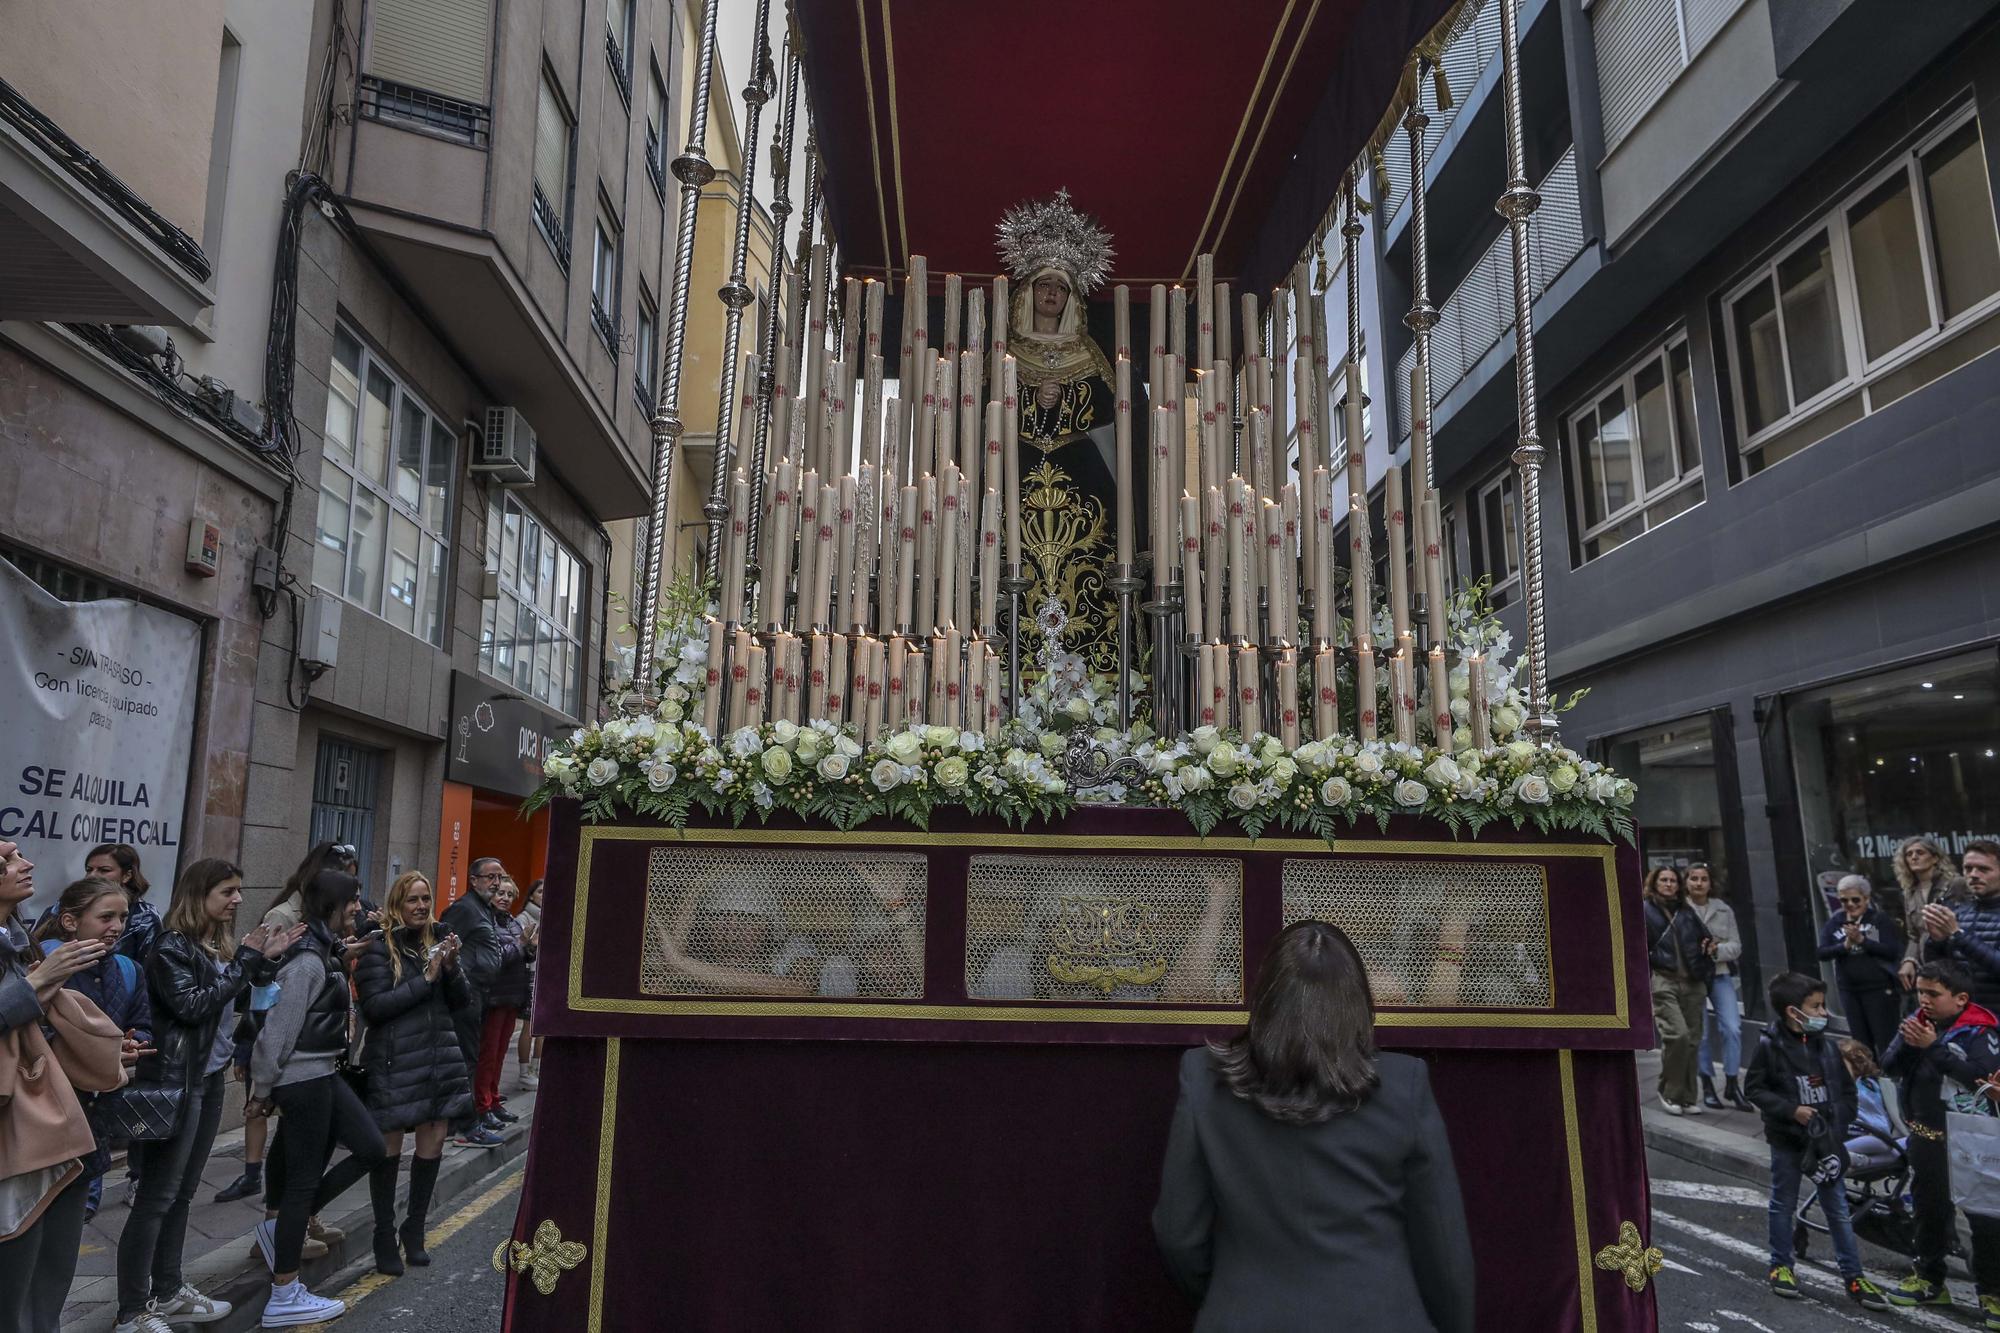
1426 52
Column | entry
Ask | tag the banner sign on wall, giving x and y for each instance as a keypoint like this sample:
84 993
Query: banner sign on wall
497 737
99 705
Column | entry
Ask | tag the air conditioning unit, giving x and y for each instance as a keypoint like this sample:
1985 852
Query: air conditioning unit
506 450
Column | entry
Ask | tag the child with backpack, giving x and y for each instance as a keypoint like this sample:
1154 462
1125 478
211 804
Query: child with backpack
1797 1079
1940 1055
96 909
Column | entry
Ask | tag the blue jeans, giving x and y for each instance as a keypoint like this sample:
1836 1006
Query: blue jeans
1786 1174
1724 1018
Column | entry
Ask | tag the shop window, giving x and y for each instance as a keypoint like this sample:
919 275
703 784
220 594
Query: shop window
1881 758
385 494
1679 806
1894 287
1634 458
531 633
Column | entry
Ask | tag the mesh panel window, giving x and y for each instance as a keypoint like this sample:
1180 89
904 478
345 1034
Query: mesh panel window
1435 934
1105 928
728 921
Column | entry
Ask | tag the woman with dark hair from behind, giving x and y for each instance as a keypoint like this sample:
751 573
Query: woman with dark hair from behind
1308 1179
292 1067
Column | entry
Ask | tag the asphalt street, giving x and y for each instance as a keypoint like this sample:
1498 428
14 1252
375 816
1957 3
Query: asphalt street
459 1292
1711 1228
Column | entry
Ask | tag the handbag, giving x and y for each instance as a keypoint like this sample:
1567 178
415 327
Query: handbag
42 1124
1972 1150
143 1112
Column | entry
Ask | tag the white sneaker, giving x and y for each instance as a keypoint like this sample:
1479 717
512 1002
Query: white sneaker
530 1079
1671 1108
188 1306
145 1323
1695 1108
292 1304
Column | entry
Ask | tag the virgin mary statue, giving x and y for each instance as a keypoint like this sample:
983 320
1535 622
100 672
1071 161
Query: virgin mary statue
1056 256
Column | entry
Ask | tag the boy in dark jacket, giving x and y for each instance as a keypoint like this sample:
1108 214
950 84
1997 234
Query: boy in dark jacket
1797 1079
1939 1056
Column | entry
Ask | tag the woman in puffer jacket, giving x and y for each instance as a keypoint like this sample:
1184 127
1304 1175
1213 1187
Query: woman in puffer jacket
409 983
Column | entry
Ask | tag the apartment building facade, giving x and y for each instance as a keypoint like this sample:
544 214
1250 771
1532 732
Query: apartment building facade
426 258
1765 269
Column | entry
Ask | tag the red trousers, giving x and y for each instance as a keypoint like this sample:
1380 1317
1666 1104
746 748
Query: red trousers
495 1033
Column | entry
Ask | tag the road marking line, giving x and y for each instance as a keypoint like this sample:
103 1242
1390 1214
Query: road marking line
1810 1274
369 1283
1731 1194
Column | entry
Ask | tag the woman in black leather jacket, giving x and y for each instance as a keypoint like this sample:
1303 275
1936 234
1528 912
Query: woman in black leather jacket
194 975
1681 952
409 984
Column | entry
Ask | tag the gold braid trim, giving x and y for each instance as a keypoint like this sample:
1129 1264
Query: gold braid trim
1426 52
1075 357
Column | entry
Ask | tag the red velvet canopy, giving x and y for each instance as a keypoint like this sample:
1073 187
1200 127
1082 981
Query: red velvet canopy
1184 127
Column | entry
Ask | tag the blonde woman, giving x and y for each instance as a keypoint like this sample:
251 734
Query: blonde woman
410 986
1925 875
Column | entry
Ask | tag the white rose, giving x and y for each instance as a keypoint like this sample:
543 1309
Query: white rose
951 772
1243 796
662 776
1224 760
1411 792
1283 771
1052 743
1442 770
808 748
939 738
1335 791
1602 787
1461 738
1204 739
777 764
1521 752
834 767
615 729
1077 709
602 771
1468 763
971 741
1627 789
903 746
784 732
1195 778
1461 709
671 712
677 694
886 775
848 746
1532 788
1563 778
1368 762
1506 721
744 742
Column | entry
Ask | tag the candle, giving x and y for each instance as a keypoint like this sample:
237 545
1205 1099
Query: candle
946 567
850 318
954 679
907 520
1434 590
1420 431
867 540
1204 688
1223 347
925 423
989 560
1402 686
975 686
711 691
1249 704
843 552
916 320
1273 527
954 297
970 381
1475 673
1191 580
1220 695
1010 454
856 682
969 414
894 679
873 449
1177 321
944 436
1123 472
1326 695
746 708
1239 628
935 710
795 678
1319 576
809 569
1396 520
1215 555
819 675
1288 697
1121 322
815 358
1162 472
927 570
998 351
823 555
869 690
1204 286
1288 509
739 546
778 564
1357 446
1156 319
968 544
915 703
1440 700
1250 559
1322 381
1262 463
1316 531
1364 687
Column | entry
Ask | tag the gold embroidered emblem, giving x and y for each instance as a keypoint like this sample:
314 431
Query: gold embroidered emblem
546 1260
1105 943
1631 1256
1065 535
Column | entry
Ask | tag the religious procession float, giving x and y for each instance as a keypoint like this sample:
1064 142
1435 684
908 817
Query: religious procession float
1037 675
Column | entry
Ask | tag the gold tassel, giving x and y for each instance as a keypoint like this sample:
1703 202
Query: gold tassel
1442 87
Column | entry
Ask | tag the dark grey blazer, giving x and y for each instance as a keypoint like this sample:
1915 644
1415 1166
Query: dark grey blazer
1353 1223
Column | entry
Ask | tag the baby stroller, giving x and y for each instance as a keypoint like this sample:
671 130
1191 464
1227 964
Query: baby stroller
1876 1181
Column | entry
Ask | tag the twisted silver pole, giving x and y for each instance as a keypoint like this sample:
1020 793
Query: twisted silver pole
1517 204
767 373
1423 316
693 171
736 293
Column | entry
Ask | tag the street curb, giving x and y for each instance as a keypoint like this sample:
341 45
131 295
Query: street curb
1716 1149
247 1288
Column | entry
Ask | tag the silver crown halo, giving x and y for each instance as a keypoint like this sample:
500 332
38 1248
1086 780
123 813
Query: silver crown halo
1054 233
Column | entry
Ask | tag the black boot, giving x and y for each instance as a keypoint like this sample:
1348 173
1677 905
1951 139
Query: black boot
423 1179
1708 1097
1732 1090
382 1194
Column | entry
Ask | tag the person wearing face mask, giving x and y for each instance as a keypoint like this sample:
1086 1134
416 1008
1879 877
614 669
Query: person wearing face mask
1965 928
1940 1052
1861 942
1798 1080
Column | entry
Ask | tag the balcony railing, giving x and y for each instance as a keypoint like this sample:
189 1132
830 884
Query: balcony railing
550 220
655 167
1481 311
621 69
383 100
1461 65
606 326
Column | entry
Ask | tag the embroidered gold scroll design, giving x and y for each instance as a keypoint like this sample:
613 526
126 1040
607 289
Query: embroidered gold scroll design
548 1258
1105 943
1631 1256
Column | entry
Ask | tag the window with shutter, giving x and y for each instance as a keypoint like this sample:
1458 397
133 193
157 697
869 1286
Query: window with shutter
554 135
440 46
1639 54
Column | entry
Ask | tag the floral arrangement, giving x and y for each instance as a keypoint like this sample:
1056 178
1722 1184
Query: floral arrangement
665 764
